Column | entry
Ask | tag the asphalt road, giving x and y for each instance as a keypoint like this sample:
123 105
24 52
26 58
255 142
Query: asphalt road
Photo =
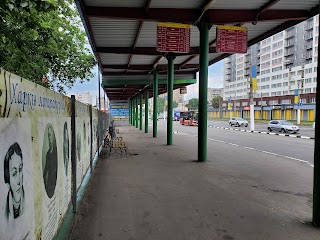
307 131
295 149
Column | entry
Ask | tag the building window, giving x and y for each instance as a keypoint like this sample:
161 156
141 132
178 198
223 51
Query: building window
285 75
315 69
308 70
308 80
307 90
276 69
286 93
277 44
286 101
277 53
285 84
314 89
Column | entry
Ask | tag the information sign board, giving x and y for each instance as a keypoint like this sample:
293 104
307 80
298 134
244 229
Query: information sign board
232 39
172 37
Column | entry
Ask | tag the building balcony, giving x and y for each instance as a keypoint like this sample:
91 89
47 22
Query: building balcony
289 35
308 46
308 37
289 44
308 26
288 53
288 61
307 56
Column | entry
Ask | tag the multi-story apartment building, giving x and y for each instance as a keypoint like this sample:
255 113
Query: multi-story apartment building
214 92
285 62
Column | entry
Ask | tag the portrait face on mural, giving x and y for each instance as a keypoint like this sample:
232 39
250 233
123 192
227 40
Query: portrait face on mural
13 177
49 160
66 147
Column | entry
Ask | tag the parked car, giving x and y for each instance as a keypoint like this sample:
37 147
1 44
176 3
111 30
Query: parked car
238 122
314 125
282 126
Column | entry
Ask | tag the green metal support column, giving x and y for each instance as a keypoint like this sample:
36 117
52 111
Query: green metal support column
155 104
141 101
129 111
316 169
132 111
137 112
146 111
170 59
203 91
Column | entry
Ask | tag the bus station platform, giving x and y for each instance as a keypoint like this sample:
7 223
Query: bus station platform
159 192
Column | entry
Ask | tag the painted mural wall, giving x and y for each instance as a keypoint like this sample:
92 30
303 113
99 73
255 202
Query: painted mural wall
35 156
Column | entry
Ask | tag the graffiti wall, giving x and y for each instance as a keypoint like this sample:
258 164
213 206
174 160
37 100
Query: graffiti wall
35 156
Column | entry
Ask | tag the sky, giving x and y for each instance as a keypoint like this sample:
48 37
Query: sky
215 75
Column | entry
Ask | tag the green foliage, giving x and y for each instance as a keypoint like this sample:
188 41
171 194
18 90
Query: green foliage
175 104
44 38
193 104
216 101
161 104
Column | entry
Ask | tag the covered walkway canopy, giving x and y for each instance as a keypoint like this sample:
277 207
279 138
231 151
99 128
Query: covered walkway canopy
123 36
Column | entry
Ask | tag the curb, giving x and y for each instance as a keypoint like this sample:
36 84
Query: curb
270 133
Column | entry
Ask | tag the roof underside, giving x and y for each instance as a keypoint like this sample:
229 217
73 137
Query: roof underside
123 33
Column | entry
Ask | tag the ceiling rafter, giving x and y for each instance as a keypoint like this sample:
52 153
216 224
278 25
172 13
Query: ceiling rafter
141 67
107 73
189 16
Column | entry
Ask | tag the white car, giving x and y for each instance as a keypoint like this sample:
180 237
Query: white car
282 126
238 122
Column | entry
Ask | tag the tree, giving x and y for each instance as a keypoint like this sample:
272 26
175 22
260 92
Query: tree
44 38
161 104
193 104
216 101
175 104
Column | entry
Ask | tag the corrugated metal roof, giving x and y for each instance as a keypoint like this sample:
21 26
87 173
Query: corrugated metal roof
113 59
176 4
180 59
259 28
194 60
238 4
295 4
142 59
115 3
148 35
113 33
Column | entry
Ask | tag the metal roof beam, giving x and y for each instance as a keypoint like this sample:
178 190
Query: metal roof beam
124 74
161 67
146 51
116 82
189 16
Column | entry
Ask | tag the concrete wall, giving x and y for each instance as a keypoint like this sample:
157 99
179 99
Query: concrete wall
36 168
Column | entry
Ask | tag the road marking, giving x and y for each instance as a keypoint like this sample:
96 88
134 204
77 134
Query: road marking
263 151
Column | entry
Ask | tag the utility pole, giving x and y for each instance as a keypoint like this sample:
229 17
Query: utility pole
251 106
298 103
261 106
